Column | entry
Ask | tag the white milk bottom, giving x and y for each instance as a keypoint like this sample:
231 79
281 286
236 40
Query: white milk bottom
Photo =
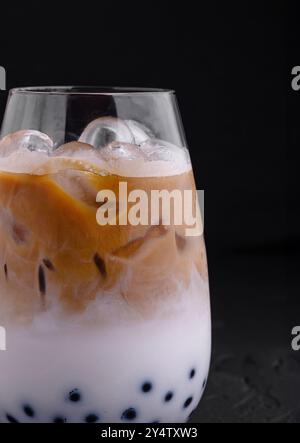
151 371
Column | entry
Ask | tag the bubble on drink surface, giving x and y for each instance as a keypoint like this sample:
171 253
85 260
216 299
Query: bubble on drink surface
121 151
28 139
160 150
104 130
139 131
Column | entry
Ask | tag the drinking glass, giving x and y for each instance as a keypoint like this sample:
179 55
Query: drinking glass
104 295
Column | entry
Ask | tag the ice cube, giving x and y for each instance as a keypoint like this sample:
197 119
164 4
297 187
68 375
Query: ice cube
121 151
80 151
139 131
160 150
23 161
77 184
104 130
73 149
25 140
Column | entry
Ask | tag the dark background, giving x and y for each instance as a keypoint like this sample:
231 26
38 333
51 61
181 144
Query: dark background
230 64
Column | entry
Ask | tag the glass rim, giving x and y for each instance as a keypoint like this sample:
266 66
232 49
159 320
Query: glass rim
90 90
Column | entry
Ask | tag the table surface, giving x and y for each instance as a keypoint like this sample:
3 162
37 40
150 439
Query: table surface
254 375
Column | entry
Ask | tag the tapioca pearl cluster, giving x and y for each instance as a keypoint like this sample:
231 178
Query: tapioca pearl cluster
170 396
27 409
131 413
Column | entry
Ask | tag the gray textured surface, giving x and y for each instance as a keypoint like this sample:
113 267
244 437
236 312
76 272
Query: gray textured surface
254 376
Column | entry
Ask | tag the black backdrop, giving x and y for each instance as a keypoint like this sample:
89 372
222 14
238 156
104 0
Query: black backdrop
226 63
230 64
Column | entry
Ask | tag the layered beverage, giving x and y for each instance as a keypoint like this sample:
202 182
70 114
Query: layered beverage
104 322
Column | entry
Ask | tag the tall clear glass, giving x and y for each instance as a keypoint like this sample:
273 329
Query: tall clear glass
104 295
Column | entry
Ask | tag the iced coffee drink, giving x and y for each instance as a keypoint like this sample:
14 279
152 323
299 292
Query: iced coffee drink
105 303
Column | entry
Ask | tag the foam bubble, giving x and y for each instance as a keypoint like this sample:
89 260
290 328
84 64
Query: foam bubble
158 158
23 161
